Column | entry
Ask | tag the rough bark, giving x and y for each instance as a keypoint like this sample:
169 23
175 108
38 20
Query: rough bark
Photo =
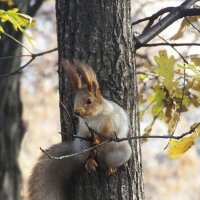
98 32
11 125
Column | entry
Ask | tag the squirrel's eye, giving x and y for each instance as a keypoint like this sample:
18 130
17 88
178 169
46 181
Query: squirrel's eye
89 101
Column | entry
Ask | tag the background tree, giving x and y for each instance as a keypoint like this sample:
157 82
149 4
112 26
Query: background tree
99 32
11 124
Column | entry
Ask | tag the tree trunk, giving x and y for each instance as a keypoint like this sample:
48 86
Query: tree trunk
99 33
11 125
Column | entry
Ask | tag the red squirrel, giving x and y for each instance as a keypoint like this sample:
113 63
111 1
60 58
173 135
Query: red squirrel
51 178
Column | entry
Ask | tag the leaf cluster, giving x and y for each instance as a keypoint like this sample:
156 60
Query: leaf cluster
18 20
167 90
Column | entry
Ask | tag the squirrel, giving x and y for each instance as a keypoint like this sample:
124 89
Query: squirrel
51 178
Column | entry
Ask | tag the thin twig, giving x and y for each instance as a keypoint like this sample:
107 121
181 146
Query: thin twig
30 55
169 44
185 13
17 41
44 52
192 24
69 116
74 154
11 57
33 56
184 60
115 139
154 16
16 71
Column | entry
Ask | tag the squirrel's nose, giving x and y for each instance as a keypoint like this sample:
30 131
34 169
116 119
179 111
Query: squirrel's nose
78 113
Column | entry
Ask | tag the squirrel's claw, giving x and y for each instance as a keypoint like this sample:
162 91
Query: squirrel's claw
91 165
111 171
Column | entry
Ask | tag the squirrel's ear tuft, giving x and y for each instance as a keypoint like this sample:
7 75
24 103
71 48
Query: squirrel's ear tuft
88 75
96 89
72 74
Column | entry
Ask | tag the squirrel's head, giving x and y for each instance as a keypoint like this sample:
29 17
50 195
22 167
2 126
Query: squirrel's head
88 101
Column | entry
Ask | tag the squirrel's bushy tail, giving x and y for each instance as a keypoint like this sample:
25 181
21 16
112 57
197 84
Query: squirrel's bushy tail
50 178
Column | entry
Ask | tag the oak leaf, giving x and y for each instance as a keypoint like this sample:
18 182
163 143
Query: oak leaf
179 147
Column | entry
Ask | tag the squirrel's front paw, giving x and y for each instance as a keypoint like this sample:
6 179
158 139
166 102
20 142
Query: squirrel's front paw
91 165
97 140
111 171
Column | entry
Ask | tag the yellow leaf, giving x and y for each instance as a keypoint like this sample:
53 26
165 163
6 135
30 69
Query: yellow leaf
141 76
179 147
1 29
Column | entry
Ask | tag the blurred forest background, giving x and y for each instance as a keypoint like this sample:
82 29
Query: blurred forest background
164 178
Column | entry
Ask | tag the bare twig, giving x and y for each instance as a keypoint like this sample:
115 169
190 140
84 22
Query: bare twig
17 41
169 44
154 16
30 55
11 57
16 71
33 56
114 139
184 60
44 52
192 24
74 154
69 116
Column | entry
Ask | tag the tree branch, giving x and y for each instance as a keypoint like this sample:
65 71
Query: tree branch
32 55
152 18
153 31
169 44
144 136
116 139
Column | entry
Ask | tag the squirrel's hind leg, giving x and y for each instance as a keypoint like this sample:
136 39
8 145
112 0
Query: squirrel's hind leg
118 154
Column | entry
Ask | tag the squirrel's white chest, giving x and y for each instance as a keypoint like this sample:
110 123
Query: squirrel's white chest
95 124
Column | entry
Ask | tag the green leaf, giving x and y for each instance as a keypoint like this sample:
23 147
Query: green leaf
165 68
18 20
157 108
159 95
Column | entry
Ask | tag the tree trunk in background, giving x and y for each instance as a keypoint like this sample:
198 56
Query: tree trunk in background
98 32
11 125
